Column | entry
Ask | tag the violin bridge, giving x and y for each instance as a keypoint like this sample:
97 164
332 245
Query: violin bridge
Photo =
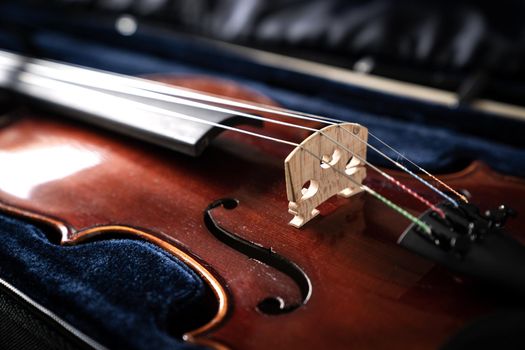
310 182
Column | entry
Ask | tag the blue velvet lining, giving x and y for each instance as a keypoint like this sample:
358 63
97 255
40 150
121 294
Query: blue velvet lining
120 292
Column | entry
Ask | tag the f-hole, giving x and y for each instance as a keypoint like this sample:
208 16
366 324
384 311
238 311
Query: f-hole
272 305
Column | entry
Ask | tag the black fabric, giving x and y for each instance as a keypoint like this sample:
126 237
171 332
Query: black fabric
440 43
501 330
23 327
443 32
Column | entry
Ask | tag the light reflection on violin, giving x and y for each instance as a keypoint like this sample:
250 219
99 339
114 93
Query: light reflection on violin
38 165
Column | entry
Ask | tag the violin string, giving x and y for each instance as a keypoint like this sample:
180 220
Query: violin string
414 175
331 121
143 84
305 116
110 85
190 103
385 175
418 222
461 196
143 106
313 117
339 144
69 88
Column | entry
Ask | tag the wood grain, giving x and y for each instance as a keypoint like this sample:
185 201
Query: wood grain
328 162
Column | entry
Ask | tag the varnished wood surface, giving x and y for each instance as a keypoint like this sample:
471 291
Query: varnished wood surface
367 291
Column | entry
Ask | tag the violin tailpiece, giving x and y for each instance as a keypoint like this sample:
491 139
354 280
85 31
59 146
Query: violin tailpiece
310 182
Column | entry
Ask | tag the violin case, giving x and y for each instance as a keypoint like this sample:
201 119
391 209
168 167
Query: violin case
128 294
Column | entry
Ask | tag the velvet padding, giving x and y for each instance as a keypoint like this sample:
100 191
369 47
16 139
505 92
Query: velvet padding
121 292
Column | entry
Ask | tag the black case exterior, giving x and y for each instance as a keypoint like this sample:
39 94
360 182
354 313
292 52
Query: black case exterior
25 325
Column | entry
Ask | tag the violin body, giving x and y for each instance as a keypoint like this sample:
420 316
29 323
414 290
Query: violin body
340 282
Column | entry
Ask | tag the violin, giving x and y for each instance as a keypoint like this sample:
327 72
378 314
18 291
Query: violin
302 242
